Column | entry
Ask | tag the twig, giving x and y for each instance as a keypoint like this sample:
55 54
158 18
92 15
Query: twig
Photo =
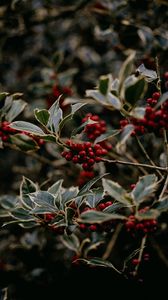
142 247
163 189
112 242
132 159
129 156
115 161
146 155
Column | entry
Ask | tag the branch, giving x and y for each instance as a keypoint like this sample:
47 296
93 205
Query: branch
132 159
115 161
146 155
163 189
142 247
112 242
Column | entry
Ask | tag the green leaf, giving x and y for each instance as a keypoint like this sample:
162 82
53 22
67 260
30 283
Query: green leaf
40 210
113 101
126 68
21 214
144 188
43 198
16 108
42 116
30 224
69 215
27 186
89 184
149 75
96 95
115 86
138 112
113 208
71 242
115 191
24 142
161 100
8 201
55 116
136 90
125 134
99 262
105 84
8 103
27 127
4 213
107 135
74 108
56 187
162 204
49 138
69 195
92 216
94 198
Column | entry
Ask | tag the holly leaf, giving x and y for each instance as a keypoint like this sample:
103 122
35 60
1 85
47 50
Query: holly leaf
144 188
92 217
27 127
42 116
116 191
16 108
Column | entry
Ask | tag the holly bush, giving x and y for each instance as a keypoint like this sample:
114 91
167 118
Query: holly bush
88 150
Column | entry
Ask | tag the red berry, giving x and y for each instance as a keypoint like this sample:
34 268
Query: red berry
91 161
101 206
93 227
156 95
132 186
135 261
108 203
82 227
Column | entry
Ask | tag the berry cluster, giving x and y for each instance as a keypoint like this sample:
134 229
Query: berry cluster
47 218
6 131
153 121
84 177
134 225
96 129
85 154
106 226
